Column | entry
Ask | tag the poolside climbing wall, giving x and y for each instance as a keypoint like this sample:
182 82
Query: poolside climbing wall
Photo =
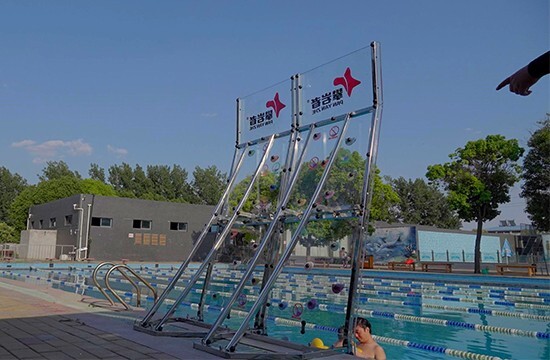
296 203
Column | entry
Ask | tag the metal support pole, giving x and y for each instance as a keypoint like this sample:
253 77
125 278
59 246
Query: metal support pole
290 247
219 240
202 236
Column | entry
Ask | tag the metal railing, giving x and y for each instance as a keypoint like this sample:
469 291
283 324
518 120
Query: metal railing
121 268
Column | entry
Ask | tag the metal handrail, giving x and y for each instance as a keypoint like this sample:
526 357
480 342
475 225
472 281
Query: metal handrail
106 279
119 267
96 283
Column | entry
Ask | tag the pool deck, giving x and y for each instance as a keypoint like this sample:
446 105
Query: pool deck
39 322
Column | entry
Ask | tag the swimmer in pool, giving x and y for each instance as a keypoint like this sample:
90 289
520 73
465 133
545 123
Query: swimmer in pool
367 348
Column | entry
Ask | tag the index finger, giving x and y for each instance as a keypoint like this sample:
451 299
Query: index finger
504 83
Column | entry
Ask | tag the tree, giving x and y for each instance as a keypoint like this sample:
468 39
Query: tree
96 172
159 182
478 179
96 187
56 170
536 176
423 204
7 234
11 185
170 184
42 193
208 184
121 178
342 189
51 190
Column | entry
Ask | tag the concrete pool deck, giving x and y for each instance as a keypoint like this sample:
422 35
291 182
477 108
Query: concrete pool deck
39 322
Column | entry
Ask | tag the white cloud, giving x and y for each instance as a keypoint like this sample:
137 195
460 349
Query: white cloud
119 152
23 143
53 149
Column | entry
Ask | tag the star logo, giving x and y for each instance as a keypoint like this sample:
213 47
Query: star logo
276 104
347 81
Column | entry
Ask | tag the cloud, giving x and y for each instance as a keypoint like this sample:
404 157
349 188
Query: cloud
119 152
53 149
473 130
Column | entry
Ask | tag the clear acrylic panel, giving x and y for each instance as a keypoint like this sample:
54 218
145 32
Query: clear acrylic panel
341 86
265 112
313 287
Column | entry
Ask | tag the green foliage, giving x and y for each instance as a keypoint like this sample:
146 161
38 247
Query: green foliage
384 200
11 185
42 193
51 190
7 234
209 184
96 173
479 176
345 180
158 182
96 187
423 204
56 170
478 179
121 177
262 196
536 176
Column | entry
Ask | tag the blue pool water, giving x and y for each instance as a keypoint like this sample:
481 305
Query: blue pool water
414 315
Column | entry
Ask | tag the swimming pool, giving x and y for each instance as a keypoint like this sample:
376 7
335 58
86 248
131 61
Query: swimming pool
414 315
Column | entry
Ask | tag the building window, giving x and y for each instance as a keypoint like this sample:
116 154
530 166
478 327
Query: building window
53 222
178 226
68 220
142 224
102 222
32 224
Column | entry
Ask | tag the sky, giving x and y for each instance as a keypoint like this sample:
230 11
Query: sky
155 82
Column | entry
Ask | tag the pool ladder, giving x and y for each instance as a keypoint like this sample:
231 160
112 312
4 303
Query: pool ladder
121 268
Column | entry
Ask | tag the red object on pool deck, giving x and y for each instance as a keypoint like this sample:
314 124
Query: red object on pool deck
409 261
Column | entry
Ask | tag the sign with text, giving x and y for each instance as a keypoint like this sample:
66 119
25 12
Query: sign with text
265 112
336 88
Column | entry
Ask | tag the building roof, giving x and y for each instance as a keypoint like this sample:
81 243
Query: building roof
505 229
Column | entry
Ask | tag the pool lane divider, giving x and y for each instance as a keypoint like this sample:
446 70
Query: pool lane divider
396 342
491 312
413 285
341 309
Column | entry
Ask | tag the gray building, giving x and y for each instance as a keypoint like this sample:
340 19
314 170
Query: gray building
113 228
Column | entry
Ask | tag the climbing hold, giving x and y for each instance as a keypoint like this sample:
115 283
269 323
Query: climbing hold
251 152
241 300
297 310
329 194
283 305
274 158
350 140
337 288
311 304
316 136
308 265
